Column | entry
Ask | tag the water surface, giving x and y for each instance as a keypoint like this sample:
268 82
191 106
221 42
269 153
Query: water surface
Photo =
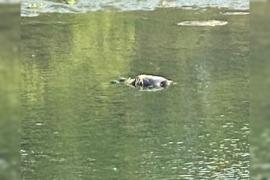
76 125
260 82
9 103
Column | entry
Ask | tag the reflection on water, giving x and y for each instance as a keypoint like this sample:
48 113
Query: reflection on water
77 125
35 7
259 59
9 73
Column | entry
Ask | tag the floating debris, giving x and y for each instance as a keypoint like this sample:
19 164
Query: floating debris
235 13
210 23
145 82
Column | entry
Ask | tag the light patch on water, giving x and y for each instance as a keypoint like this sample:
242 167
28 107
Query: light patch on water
3 164
168 4
235 13
258 1
210 23
9 1
23 152
33 7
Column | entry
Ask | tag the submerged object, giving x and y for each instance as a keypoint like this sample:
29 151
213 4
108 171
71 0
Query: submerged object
146 82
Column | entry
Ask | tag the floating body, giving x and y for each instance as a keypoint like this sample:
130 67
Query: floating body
146 82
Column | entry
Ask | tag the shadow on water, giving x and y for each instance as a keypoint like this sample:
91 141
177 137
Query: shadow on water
78 126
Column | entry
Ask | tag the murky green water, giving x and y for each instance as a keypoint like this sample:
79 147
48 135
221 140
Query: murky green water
260 84
9 103
76 125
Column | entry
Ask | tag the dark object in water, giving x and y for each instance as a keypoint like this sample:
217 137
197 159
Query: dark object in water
115 82
146 82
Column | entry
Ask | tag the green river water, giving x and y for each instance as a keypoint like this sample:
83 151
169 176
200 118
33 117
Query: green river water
76 125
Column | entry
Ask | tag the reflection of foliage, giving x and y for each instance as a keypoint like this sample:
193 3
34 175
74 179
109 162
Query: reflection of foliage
260 85
70 2
211 66
105 44
101 44
9 84
65 65
35 5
